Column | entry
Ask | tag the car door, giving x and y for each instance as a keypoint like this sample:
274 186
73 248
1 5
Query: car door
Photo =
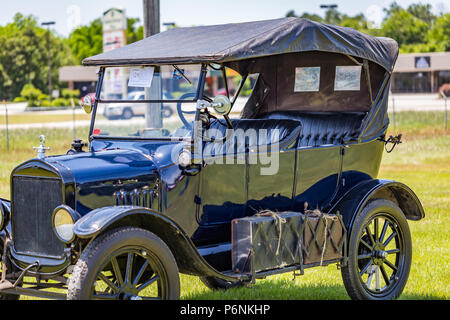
270 184
317 176
221 198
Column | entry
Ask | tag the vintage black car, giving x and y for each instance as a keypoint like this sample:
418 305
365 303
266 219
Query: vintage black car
288 184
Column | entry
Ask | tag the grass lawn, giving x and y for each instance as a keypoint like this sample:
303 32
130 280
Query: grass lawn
42 117
422 162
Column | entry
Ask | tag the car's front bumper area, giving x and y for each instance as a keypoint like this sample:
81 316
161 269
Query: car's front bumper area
29 275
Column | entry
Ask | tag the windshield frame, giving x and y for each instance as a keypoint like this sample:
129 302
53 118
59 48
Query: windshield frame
101 74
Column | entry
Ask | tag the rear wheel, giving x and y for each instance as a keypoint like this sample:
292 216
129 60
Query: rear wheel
380 253
125 264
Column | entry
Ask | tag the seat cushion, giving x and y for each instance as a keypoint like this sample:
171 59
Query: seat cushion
250 133
324 128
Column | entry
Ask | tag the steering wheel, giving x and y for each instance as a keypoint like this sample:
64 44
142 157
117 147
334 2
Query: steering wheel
181 112
209 115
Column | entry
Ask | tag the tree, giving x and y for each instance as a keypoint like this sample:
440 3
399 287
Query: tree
333 16
416 28
422 12
23 56
439 35
87 41
405 28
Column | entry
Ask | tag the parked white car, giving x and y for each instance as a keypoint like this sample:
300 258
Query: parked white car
128 111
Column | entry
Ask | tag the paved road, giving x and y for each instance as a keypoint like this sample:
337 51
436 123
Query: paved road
397 102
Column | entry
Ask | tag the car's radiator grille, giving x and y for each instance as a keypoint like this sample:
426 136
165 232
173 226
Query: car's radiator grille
34 200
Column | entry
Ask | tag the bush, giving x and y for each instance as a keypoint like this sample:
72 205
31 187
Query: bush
31 95
45 103
61 102
67 94
20 99
43 97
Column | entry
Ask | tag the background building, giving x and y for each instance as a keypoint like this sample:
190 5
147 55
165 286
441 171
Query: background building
421 72
80 78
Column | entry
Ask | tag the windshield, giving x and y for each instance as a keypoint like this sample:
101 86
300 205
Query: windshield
123 110
158 101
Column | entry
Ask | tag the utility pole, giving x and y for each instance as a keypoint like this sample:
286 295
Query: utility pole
48 24
153 114
151 17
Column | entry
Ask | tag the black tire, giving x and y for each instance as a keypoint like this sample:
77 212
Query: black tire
214 283
104 265
167 112
374 253
127 114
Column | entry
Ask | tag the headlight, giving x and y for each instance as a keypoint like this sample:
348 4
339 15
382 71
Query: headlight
63 220
184 158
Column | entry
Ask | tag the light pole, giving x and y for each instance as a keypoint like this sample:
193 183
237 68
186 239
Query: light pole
328 6
48 24
169 25
153 113
331 15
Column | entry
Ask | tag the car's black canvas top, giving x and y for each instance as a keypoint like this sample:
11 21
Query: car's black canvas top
238 41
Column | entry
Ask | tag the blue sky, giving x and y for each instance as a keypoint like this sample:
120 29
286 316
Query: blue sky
189 12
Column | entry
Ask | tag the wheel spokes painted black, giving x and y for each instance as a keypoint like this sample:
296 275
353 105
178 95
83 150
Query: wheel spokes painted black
385 276
139 274
372 240
375 229
366 245
391 265
129 268
365 256
149 282
363 270
108 282
117 272
134 283
377 271
397 250
389 238
383 231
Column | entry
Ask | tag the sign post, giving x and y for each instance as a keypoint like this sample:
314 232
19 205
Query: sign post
114 36
6 119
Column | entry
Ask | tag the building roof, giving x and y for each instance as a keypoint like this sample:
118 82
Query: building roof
239 41
78 74
422 62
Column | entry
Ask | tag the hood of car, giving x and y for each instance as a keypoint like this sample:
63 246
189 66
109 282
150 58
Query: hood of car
110 177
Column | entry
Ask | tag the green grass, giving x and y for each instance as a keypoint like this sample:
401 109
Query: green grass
41 117
422 162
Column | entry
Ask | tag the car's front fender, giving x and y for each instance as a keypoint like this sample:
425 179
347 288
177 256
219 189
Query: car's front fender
188 258
5 207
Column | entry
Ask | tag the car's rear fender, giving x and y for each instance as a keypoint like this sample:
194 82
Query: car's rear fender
188 258
354 200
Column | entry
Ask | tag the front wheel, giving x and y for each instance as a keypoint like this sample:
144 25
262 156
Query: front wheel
125 264
380 253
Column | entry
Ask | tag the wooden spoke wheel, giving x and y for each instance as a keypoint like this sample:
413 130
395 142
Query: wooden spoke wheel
379 253
126 264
